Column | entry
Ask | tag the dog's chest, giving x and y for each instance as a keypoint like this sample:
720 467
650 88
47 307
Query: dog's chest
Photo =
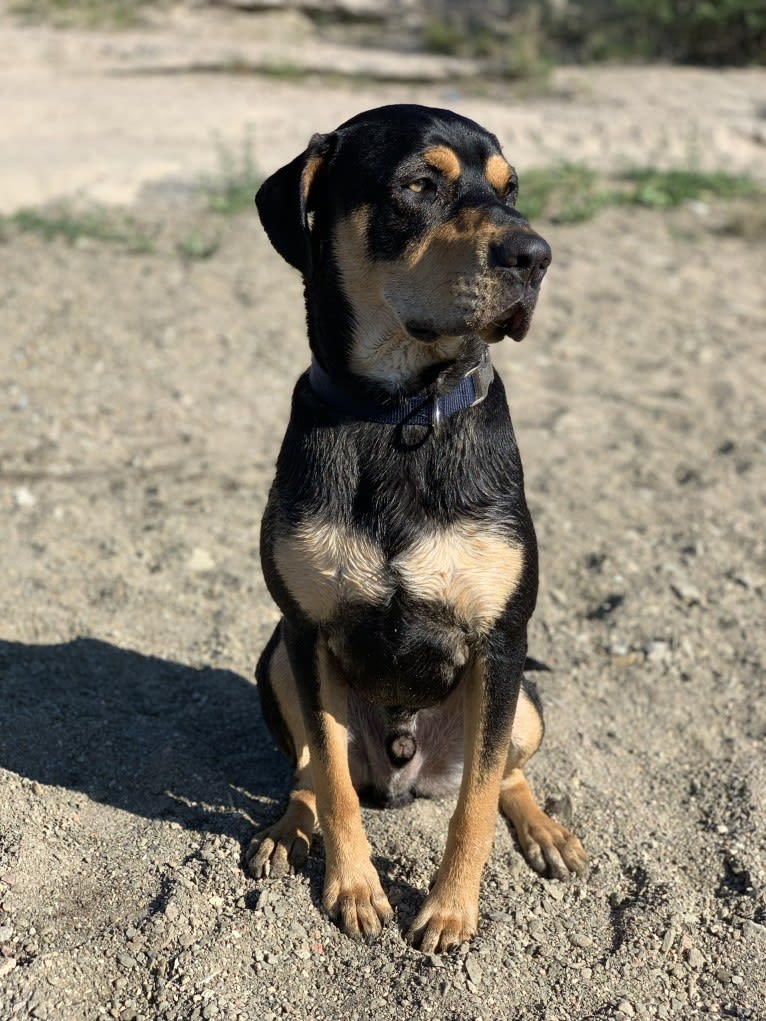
464 566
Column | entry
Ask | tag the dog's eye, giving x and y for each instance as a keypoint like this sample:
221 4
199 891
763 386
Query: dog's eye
420 185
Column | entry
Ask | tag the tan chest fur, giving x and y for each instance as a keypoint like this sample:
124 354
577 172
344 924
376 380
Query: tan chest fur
465 566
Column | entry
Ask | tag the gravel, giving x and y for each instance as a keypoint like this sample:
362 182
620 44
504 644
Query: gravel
147 394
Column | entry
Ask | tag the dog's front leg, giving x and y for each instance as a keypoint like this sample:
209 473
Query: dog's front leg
450 913
352 891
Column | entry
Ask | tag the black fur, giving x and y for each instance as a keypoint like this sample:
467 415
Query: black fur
390 483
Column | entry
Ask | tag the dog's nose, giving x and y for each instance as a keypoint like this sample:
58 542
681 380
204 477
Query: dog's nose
523 253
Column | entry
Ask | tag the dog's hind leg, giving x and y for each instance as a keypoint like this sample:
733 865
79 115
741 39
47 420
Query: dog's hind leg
548 847
284 845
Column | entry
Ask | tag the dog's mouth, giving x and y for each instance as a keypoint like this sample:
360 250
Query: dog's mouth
421 332
513 321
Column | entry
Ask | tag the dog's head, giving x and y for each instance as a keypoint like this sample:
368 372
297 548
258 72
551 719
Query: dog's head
403 224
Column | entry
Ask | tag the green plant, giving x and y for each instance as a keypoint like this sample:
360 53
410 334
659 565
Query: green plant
571 192
444 36
662 189
567 193
232 190
198 245
83 13
71 224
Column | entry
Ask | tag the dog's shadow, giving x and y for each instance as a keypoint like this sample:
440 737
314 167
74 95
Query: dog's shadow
156 738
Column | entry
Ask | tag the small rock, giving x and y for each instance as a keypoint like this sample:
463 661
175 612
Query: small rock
500 916
658 651
737 980
434 961
7 964
579 939
473 969
200 560
753 930
126 960
689 593
667 941
6 931
24 497
627 659
695 958
625 1007
9 879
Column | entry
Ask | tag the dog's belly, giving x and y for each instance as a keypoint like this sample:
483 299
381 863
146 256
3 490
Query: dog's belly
436 766
400 654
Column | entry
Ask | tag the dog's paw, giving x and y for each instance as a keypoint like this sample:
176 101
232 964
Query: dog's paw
443 922
277 851
355 899
550 849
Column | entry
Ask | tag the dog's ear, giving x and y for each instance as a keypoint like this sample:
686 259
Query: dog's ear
285 199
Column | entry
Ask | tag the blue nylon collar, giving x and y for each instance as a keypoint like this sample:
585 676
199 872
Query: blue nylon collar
422 409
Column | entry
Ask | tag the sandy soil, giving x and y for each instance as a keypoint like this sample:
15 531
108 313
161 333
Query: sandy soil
144 398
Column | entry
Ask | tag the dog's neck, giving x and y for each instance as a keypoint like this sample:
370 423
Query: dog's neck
375 355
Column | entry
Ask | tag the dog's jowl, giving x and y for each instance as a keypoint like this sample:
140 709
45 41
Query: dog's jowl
397 541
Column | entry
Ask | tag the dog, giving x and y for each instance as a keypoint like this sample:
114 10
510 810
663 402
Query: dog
396 540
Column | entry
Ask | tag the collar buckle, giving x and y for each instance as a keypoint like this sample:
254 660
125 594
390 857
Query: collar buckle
481 376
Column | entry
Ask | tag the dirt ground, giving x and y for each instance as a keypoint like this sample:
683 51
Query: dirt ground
144 399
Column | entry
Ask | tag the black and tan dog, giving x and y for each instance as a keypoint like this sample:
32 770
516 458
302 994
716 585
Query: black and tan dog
397 541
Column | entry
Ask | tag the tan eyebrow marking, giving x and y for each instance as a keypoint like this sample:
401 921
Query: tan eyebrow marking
444 159
498 172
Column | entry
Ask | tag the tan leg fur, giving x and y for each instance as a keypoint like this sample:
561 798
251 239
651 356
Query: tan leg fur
548 847
285 845
450 913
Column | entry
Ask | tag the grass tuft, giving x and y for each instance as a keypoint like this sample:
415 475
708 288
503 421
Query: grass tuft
571 192
198 245
109 14
232 190
66 222
663 189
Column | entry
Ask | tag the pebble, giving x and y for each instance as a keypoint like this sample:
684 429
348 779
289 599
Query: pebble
200 560
667 940
6 931
695 958
7 964
473 970
24 497
579 939
625 1007
126 960
689 593
753 930
500 916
